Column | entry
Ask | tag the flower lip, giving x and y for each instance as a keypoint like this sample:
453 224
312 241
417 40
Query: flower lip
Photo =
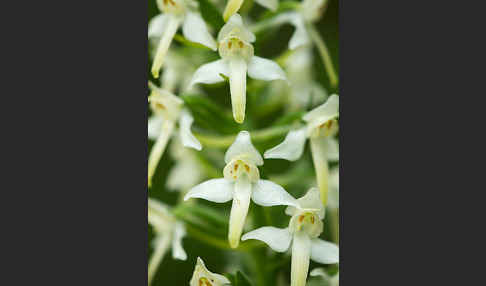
239 166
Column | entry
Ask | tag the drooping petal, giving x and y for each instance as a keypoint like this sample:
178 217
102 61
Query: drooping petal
324 252
300 36
158 148
243 148
161 246
321 166
267 194
239 209
169 31
211 73
264 69
215 190
187 138
291 148
156 26
323 113
311 201
177 250
154 126
195 30
270 4
277 238
301 249
237 68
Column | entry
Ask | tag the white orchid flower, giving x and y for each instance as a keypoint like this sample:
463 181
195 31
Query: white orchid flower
241 183
164 26
308 12
167 109
237 59
233 6
320 129
303 231
303 89
169 234
203 277
178 68
186 172
331 280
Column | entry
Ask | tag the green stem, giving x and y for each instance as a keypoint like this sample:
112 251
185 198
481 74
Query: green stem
335 225
256 136
324 52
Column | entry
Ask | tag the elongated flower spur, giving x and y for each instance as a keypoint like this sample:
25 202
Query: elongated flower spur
164 26
169 234
236 51
233 6
203 277
320 129
240 183
167 109
303 231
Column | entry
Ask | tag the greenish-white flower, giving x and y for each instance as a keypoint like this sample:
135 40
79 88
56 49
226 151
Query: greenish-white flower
203 277
164 26
187 171
320 130
241 183
237 59
301 236
169 233
167 110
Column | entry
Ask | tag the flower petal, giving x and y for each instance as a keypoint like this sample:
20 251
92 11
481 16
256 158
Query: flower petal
235 27
301 249
270 4
156 26
177 250
195 30
169 31
215 190
187 138
323 113
319 272
239 209
324 252
300 36
158 149
155 126
311 200
211 73
260 68
243 148
277 238
267 194
291 148
238 69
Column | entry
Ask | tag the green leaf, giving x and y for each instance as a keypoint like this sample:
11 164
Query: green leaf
186 42
211 14
239 279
